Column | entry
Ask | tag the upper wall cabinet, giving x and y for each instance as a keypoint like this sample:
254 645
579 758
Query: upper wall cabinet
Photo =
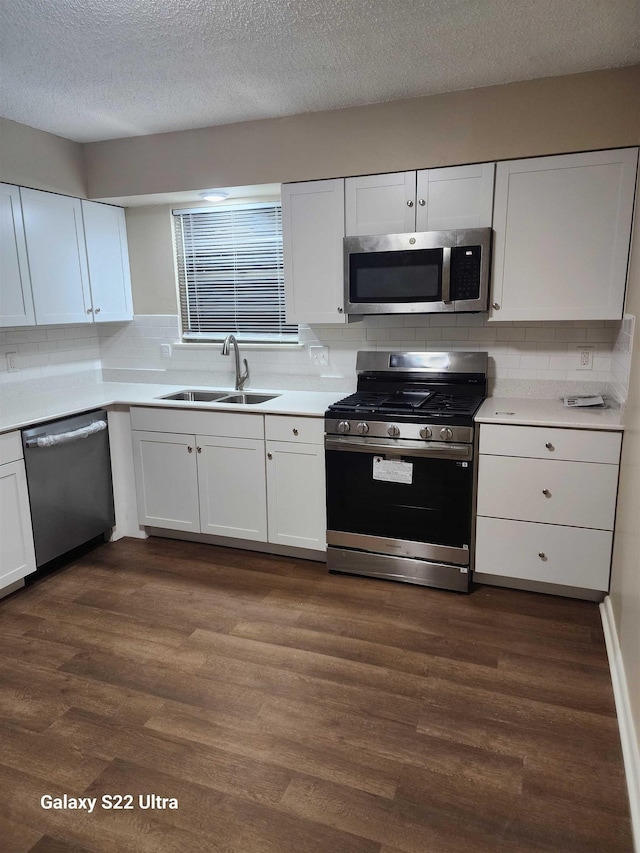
426 200
16 301
63 260
562 231
108 261
312 233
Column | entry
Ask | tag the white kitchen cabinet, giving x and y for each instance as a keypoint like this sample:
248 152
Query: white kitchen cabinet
166 480
296 482
17 553
57 255
108 262
312 235
78 259
562 231
426 200
231 484
16 300
201 472
546 508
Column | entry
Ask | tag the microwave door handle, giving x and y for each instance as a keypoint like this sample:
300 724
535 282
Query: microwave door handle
446 275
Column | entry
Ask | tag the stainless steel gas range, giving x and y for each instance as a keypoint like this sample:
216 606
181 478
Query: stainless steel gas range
401 468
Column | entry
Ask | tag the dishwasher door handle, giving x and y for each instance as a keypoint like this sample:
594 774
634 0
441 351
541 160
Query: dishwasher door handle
66 437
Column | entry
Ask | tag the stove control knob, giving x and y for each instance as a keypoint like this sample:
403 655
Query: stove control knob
425 433
363 428
446 434
344 426
393 431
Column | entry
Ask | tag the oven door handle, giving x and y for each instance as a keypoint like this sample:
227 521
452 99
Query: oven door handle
434 449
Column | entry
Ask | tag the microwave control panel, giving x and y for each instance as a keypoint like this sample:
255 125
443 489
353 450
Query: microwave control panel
465 272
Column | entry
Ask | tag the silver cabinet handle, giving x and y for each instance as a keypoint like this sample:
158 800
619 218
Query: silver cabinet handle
549 446
295 431
97 311
199 449
546 493
340 310
495 306
89 310
421 202
189 449
409 203
269 456
542 555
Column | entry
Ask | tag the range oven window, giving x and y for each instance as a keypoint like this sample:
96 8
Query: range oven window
414 275
435 507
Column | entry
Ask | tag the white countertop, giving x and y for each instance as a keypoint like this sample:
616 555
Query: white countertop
22 412
529 411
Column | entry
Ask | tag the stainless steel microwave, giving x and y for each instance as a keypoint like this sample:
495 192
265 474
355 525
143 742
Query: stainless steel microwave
423 272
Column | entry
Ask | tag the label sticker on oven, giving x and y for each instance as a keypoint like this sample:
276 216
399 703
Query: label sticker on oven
392 471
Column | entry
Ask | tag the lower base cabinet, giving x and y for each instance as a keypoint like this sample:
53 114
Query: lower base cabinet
546 508
231 483
17 553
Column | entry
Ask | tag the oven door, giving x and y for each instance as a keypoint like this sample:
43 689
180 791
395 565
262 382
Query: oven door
406 499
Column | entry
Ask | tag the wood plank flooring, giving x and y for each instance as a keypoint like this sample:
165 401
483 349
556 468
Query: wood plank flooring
293 711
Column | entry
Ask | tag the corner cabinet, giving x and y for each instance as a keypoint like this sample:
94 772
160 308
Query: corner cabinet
16 300
426 200
17 553
546 508
562 229
312 235
64 260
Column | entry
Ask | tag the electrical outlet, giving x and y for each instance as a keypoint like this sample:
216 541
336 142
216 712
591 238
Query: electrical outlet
585 358
165 350
319 357
12 364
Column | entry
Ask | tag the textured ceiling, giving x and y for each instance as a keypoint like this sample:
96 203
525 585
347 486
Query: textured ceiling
100 69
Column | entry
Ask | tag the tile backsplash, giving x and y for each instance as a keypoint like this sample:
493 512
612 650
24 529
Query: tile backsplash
530 359
526 359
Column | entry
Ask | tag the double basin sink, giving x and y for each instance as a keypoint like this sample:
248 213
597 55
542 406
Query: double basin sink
244 398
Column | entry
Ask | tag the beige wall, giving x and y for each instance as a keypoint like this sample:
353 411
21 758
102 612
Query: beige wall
552 115
625 576
151 258
33 158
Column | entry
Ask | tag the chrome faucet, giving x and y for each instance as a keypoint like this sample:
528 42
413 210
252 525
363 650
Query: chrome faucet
241 378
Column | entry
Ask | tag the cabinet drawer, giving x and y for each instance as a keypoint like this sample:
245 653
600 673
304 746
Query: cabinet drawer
575 445
513 549
288 428
157 419
573 493
10 447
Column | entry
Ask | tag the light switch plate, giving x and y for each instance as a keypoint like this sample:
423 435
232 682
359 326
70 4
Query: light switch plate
319 357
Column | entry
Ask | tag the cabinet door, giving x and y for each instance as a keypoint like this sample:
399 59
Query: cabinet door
17 555
296 495
108 261
562 229
312 234
57 257
459 197
380 204
16 301
166 480
231 478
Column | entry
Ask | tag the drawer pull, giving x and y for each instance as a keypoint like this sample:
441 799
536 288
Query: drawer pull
542 555
546 493
189 449
295 431
549 446
269 455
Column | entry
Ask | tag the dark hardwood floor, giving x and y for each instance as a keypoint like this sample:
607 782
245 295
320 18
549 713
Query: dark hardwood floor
293 711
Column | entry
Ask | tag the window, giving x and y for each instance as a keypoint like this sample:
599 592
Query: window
230 274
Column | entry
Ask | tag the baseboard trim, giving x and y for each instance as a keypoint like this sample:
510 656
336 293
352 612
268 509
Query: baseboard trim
630 750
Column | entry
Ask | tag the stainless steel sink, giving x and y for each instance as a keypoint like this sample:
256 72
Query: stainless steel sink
195 396
247 397
242 397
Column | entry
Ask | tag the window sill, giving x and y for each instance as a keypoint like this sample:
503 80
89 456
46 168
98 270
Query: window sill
243 346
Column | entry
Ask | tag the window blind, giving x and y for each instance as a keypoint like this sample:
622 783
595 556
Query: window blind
230 275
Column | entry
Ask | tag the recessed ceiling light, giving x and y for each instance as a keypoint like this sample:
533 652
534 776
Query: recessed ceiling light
213 195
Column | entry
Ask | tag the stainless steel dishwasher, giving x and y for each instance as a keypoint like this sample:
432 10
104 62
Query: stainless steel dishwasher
69 478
